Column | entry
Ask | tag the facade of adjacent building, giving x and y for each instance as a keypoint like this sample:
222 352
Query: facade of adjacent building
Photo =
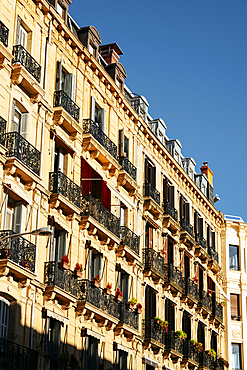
235 286
81 155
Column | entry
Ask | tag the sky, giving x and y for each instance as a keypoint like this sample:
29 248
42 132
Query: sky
189 59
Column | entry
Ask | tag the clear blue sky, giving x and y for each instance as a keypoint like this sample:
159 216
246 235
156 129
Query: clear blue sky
189 59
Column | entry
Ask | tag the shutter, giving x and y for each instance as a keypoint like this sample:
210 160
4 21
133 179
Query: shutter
90 265
187 211
85 175
125 286
126 146
181 208
153 312
182 263
200 280
18 41
170 251
60 160
4 317
92 108
96 265
56 338
153 171
101 115
165 190
18 217
209 238
195 222
165 250
105 196
121 142
146 170
61 244
13 116
200 226
171 195
150 237
234 301
59 76
53 245
73 87
147 304
213 239
23 125
70 85
186 266
23 37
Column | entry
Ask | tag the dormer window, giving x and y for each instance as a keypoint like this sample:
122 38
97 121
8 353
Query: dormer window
60 10
92 50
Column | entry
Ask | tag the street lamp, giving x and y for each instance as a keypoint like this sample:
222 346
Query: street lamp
43 231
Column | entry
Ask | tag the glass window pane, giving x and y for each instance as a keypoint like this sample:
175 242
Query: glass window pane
236 356
233 257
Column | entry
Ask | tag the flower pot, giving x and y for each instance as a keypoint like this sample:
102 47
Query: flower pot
119 298
138 310
107 291
78 273
130 306
64 265
96 283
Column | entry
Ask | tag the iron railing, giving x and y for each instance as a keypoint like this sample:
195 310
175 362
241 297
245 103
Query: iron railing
190 288
173 342
129 317
185 225
206 360
128 167
152 331
91 207
153 259
213 254
190 353
170 210
130 239
150 191
18 250
217 310
60 183
200 240
173 275
61 99
95 296
3 124
90 127
22 56
205 300
16 357
4 34
17 146
62 278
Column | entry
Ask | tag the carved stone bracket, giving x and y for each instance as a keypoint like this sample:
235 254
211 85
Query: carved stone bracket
49 296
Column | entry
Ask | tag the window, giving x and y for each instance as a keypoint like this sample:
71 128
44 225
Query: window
91 353
198 225
14 216
210 238
92 50
65 81
236 356
150 303
170 314
149 236
168 192
186 324
234 257
235 312
214 337
4 317
60 10
97 114
150 173
53 338
21 34
122 358
19 120
184 210
124 285
59 242
185 264
201 333
168 251
94 264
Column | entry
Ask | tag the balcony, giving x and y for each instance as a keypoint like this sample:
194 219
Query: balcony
170 218
187 234
206 361
128 320
97 219
5 56
17 256
27 73
173 277
152 333
66 112
94 300
65 193
190 355
201 250
190 290
152 200
217 312
3 124
205 302
60 282
130 240
28 157
100 146
127 176
173 345
153 264
213 262
14 356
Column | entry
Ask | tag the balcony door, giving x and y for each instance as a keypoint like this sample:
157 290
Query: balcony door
14 216
91 353
19 121
21 34
186 324
59 244
201 333
94 265
170 314
54 338
98 115
150 303
168 192
59 162
150 173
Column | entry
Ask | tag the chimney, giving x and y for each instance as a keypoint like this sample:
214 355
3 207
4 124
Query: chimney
208 172
110 52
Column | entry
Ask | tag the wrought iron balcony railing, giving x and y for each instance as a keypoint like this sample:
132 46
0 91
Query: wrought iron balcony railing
4 34
218 311
206 360
151 331
95 296
60 183
129 317
61 99
91 207
190 288
173 275
213 254
18 250
20 148
190 353
130 239
153 259
200 240
62 278
150 191
14 356
173 342
128 167
205 300
90 127
22 56
3 124
170 210
185 225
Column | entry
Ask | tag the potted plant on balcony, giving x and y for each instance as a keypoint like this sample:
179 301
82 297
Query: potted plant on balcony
139 308
78 270
108 288
181 334
96 281
65 262
223 303
164 325
131 303
211 353
198 347
222 362
118 295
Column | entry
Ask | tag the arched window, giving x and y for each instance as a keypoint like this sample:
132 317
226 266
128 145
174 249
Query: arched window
4 317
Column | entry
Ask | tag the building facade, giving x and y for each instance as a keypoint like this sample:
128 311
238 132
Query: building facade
131 220
234 283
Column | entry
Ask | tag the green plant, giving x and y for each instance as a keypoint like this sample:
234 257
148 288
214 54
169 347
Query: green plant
222 361
164 325
64 356
133 301
223 304
181 334
211 352
198 347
